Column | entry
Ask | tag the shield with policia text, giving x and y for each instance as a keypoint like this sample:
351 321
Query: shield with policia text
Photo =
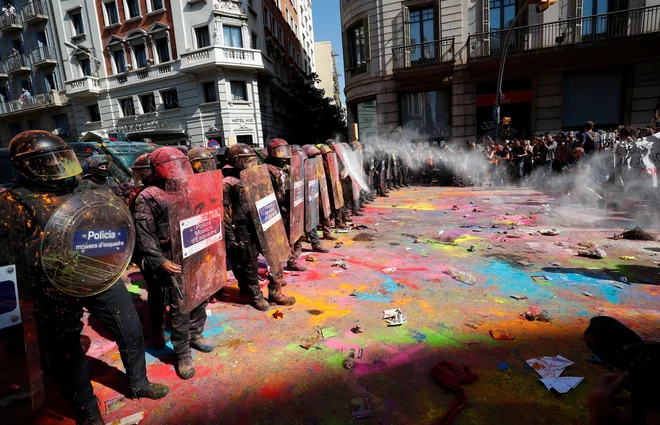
296 198
196 215
332 172
323 187
312 195
266 215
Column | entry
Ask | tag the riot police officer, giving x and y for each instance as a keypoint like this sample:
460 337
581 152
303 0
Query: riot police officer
201 160
153 239
49 178
312 152
241 237
95 169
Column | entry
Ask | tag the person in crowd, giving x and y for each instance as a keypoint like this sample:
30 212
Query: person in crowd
518 155
589 139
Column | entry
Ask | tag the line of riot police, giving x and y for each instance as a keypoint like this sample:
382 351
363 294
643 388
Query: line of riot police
71 240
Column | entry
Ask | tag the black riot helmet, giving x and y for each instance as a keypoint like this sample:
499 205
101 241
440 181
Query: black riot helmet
201 160
142 171
97 166
42 156
242 156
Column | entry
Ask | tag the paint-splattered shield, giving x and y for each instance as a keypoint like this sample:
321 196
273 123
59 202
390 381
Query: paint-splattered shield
296 198
88 243
196 214
332 172
266 215
323 187
351 163
312 194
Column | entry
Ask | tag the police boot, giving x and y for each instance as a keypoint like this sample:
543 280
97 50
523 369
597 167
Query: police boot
319 248
152 391
90 417
293 266
277 297
202 344
185 367
327 235
261 304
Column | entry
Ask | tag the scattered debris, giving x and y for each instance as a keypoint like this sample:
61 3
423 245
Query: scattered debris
311 340
329 332
463 277
550 369
315 312
587 294
352 352
277 315
472 325
543 316
312 259
623 279
114 404
424 253
349 363
476 230
556 264
595 253
440 232
357 329
394 317
550 232
636 234
417 241
360 408
339 263
455 208
472 248
559 243
524 263
348 230
628 257
501 335
133 419
588 244
361 227
518 297
389 270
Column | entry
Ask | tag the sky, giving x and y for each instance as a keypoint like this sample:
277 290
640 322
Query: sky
327 27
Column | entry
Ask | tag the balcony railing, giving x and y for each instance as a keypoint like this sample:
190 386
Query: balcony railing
423 54
10 22
3 70
18 63
42 55
82 86
148 73
53 98
587 29
222 56
35 11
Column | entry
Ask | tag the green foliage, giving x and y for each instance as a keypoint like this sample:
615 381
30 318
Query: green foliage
312 119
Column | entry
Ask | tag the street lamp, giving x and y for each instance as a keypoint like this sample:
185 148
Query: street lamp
541 6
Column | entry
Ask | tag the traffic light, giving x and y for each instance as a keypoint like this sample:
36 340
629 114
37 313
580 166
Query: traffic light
506 126
541 5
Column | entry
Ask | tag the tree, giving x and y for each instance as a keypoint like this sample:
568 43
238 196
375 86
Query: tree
312 119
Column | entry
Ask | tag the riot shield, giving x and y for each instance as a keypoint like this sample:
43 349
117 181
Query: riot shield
350 161
88 243
266 215
323 187
311 194
296 198
335 181
196 214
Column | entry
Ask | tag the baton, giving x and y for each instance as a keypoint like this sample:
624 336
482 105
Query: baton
177 287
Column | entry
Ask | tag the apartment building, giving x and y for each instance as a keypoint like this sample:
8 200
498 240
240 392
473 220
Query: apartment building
31 79
326 68
306 35
431 66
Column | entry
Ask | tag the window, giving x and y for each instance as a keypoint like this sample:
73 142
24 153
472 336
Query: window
85 67
49 81
254 41
75 16
422 24
595 26
502 14
34 125
356 48
426 113
14 128
280 35
62 124
202 37
94 113
210 92
267 18
155 5
111 13
127 107
170 99
132 8
148 103
140 52
119 60
162 49
288 16
245 139
238 91
233 36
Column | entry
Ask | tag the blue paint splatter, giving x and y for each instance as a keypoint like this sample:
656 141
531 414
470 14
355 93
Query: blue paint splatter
511 280
419 337
215 324
503 366
389 285
376 297
597 281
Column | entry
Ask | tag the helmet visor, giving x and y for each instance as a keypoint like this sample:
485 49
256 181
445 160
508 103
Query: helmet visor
55 165
282 152
202 165
247 161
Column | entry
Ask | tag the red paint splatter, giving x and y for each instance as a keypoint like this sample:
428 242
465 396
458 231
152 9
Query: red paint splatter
272 390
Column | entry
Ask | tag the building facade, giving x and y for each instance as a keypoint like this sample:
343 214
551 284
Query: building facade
306 35
31 79
430 66
326 68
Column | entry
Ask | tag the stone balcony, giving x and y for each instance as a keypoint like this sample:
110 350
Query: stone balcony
40 101
220 56
143 75
82 87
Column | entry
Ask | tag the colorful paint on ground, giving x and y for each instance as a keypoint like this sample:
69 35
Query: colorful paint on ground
260 374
